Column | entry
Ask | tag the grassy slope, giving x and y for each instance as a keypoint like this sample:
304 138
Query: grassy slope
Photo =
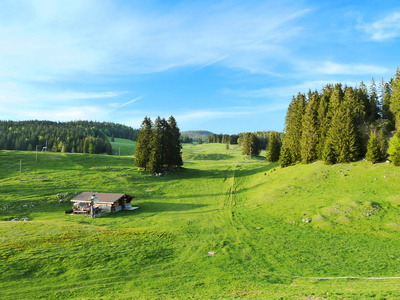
250 214
123 147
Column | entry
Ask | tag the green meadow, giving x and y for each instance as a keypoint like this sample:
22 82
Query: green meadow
225 226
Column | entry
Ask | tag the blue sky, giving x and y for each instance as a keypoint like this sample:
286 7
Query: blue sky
223 66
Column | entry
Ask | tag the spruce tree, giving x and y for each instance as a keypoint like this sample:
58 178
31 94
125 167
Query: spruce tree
373 150
394 149
309 137
143 146
395 99
323 120
383 144
373 102
387 114
329 155
362 105
199 141
335 100
273 148
343 134
175 151
250 144
286 157
155 161
293 128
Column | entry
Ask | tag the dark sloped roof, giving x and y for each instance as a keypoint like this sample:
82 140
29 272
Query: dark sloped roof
101 197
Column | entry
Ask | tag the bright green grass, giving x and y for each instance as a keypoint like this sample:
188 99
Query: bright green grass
123 147
248 212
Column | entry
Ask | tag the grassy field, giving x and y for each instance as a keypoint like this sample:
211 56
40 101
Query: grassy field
248 212
122 147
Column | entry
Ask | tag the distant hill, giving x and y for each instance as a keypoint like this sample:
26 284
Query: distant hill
196 134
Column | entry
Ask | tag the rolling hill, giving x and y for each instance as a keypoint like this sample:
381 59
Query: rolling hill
223 227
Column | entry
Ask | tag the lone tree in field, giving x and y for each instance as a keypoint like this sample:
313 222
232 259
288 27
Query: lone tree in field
158 145
273 148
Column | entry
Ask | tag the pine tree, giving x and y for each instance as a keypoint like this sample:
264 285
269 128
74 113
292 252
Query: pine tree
309 137
175 151
342 134
387 114
273 148
293 128
323 120
363 106
199 141
394 149
155 161
395 99
143 146
373 102
329 155
286 157
373 150
383 144
335 100
250 144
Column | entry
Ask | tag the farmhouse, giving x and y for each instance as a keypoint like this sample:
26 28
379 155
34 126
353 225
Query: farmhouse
104 202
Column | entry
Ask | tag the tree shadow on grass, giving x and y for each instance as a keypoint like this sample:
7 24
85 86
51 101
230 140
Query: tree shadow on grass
155 207
196 173
212 156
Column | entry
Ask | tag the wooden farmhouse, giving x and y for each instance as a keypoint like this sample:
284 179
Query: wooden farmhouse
102 202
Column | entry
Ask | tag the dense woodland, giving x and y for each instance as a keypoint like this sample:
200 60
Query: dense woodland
76 136
342 124
158 146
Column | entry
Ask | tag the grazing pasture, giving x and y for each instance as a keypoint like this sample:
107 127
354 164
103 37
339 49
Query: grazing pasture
293 233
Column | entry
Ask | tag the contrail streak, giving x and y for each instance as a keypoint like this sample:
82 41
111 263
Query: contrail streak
210 63
122 105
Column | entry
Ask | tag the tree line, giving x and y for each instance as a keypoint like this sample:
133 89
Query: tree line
75 136
158 146
261 139
342 124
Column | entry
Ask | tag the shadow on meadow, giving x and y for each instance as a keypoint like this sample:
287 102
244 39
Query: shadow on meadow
239 172
212 156
146 207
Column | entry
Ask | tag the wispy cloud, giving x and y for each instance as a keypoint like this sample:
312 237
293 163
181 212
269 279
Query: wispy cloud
333 68
386 28
68 95
84 37
230 112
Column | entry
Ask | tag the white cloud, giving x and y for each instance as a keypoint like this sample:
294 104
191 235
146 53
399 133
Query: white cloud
383 29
